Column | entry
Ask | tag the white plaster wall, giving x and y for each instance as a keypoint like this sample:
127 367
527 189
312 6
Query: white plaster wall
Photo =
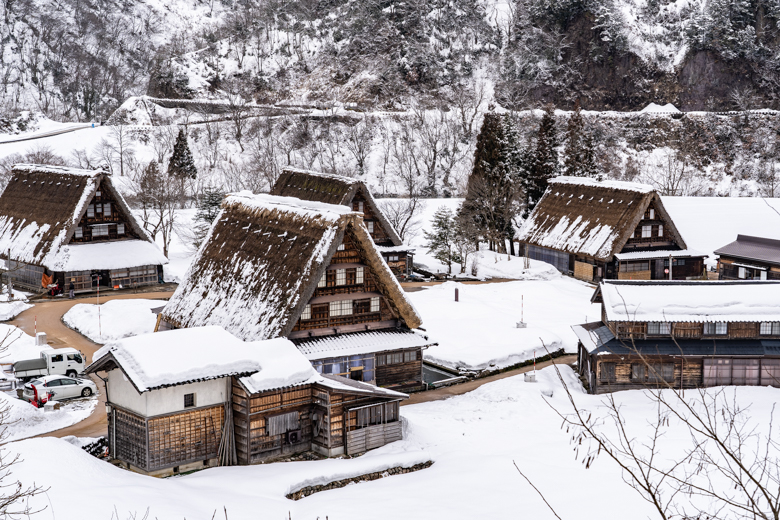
164 400
171 399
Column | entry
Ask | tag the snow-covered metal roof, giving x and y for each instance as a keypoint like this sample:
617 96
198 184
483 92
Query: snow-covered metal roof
646 255
593 335
360 343
685 301
753 248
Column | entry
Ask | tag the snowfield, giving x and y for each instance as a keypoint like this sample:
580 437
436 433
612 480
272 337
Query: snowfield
473 440
118 319
480 331
16 345
24 420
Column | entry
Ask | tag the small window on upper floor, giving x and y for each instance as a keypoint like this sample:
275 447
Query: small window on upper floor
306 313
359 275
358 206
647 231
107 209
120 229
340 248
657 327
79 232
97 193
375 304
341 277
770 328
661 230
652 213
189 400
91 211
323 281
718 328
370 226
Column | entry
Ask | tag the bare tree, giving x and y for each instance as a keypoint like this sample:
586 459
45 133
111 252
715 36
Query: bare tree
158 196
673 175
404 215
359 140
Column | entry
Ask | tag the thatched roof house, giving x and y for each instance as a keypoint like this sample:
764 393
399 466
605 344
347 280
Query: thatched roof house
581 224
279 266
353 193
68 223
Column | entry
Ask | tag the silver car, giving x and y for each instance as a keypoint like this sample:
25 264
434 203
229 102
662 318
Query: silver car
61 387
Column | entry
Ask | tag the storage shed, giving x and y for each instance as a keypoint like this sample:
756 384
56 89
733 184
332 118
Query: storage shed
191 398
65 224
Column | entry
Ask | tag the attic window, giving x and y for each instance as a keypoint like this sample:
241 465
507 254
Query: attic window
652 213
647 231
340 308
100 230
306 315
107 208
79 232
718 328
97 193
358 206
90 211
359 275
340 248
370 226
375 304
341 277
120 229
323 281
660 230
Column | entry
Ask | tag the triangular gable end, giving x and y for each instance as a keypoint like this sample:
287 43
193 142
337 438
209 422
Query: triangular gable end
628 232
377 212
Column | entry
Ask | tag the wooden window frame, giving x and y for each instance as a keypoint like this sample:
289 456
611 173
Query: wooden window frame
189 400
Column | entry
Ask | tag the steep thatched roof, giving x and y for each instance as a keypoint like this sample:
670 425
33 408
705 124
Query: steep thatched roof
41 206
333 189
588 217
261 263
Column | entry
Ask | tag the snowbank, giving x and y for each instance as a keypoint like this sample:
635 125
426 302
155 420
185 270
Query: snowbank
11 309
118 319
24 420
16 345
480 331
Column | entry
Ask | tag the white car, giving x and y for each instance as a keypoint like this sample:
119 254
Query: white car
61 387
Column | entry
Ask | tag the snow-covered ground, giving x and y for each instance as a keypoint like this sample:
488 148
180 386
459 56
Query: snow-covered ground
480 330
12 307
118 319
473 440
24 420
16 345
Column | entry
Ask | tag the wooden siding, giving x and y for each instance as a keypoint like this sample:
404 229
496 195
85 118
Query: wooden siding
405 376
116 216
687 371
635 275
364 439
685 330
583 271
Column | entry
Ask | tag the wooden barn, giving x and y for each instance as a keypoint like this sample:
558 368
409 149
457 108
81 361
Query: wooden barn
749 258
681 334
601 230
182 400
59 225
353 193
308 271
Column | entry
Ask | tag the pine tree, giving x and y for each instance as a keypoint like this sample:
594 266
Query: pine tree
441 238
545 159
579 156
182 165
209 205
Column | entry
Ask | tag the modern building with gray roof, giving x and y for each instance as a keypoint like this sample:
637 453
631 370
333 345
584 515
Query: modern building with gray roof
749 258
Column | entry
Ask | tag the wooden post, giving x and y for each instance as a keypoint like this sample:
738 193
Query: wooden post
456 294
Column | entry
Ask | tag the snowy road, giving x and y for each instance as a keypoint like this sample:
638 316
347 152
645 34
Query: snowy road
48 133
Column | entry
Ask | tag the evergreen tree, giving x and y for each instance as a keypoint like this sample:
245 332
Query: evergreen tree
209 205
579 158
545 159
182 165
441 238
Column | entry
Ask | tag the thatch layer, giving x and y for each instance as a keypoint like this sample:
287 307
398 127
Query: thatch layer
332 189
261 263
591 219
41 206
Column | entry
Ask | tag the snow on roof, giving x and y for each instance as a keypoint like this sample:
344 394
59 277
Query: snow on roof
709 223
753 248
652 108
642 255
261 262
680 301
615 185
593 335
360 343
584 216
118 254
41 206
180 356
349 385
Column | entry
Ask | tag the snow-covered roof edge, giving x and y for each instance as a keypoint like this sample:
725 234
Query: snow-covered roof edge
615 185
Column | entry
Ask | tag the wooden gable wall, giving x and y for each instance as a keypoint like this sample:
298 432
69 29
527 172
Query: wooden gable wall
660 231
96 216
373 223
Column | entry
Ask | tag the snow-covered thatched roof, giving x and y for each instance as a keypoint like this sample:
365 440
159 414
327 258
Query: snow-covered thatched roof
689 301
261 263
333 189
40 208
590 217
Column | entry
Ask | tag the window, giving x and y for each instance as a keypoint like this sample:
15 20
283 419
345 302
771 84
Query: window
79 232
652 213
661 230
558 259
53 382
341 277
375 304
281 424
74 357
717 372
340 248
359 275
323 281
64 382
638 372
392 258
744 372
770 328
631 267
107 209
607 372
189 400
120 229
647 231
98 208
341 308
658 327
358 206
57 358
91 211
741 272
410 355
718 328
100 230
660 373
306 315
370 225
770 372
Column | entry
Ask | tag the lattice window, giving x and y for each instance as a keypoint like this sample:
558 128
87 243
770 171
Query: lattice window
768 328
306 315
375 304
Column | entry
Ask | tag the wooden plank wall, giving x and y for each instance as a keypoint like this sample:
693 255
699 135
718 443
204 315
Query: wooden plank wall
130 437
405 376
364 439
185 437
690 369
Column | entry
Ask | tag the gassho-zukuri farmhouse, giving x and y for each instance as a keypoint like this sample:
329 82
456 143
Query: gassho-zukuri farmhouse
62 225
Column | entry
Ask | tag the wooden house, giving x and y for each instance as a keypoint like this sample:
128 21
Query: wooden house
749 258
601 230
186 399
65 224
308 271
353 193
681 334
